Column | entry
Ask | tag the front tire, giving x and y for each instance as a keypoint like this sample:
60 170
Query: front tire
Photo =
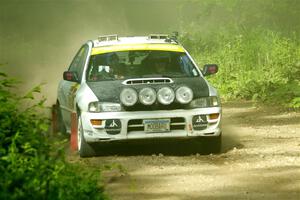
84 148
212 144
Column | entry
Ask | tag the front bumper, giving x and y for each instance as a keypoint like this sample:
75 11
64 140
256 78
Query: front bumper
132 127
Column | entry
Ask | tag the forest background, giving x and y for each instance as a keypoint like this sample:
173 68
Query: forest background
255 43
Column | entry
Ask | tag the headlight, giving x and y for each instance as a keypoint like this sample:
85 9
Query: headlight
205 102
147 96
128 96
165 95
213 101
184 95
104 107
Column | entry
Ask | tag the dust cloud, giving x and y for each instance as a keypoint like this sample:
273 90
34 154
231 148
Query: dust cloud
38 38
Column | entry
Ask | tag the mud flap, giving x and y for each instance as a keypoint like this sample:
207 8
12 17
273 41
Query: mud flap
74 127
54 120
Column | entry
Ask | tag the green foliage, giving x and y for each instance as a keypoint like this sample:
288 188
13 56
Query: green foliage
256 44
30 167
258 64
214 16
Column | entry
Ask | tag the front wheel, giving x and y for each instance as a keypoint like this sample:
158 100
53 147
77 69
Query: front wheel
212 144
84 148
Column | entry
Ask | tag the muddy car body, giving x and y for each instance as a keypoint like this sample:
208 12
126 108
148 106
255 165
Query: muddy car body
128 88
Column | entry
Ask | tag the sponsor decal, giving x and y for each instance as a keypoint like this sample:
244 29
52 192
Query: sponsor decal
199 122
113 126
72 94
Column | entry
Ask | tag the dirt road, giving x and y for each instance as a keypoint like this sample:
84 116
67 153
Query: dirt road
260 160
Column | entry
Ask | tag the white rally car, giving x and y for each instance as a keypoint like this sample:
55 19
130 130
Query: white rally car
128 88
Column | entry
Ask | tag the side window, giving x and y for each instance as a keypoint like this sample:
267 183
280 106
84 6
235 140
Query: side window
78 62
187 66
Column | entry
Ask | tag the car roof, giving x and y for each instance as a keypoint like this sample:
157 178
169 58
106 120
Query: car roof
111 43
116 40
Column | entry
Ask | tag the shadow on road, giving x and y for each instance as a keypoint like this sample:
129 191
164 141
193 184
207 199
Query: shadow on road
150 147
173 147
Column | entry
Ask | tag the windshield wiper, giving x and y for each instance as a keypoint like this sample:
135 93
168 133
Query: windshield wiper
152 75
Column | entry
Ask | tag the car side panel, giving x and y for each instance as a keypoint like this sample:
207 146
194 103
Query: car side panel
66 100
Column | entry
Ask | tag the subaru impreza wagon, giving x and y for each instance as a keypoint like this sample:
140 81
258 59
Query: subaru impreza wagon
141 87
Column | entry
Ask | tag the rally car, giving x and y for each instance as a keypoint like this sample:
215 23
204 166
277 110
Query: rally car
141 87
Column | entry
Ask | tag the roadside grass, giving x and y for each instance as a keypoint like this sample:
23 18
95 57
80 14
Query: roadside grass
259 65
31 165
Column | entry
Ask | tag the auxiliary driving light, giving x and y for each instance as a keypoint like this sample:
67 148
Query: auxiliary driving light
184 95
128 96
165 95
147 96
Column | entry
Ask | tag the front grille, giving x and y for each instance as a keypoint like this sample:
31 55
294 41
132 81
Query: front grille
155 106
177 123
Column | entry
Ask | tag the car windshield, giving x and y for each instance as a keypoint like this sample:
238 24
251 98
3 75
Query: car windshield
140 64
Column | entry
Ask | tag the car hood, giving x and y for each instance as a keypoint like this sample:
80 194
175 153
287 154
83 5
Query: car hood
109 91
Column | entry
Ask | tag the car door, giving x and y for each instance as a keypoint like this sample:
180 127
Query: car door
68 89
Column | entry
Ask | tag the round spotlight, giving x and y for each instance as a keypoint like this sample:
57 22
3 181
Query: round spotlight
184 95
165 95
147 96
128 96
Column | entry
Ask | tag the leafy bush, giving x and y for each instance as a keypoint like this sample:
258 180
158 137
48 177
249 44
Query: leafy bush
30 167
258 64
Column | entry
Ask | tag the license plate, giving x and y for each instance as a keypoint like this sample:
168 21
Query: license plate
156 125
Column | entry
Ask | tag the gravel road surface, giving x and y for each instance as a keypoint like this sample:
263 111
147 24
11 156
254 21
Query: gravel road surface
260 159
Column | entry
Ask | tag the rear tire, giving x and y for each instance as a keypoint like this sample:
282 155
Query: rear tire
84 148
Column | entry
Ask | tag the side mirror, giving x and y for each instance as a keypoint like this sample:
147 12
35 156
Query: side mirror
70 76
209 69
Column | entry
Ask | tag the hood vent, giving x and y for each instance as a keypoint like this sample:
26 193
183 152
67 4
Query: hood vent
147 81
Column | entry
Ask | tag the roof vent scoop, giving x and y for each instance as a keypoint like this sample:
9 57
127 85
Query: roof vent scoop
168 38
158 36
105 38
138 81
